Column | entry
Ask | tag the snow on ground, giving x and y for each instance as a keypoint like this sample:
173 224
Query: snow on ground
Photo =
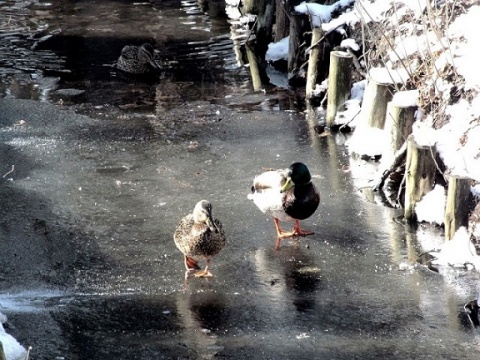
353 105
278 51
431 208
458 252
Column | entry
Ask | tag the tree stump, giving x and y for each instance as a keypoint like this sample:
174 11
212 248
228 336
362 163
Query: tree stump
339 84
313 61
458 205
420 175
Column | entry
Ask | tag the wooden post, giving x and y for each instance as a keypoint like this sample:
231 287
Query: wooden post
2 353
313 60
264 28
420 175
458 204
283 9
282 22
298 22
249 7
339 84
374 104
398 126
254 68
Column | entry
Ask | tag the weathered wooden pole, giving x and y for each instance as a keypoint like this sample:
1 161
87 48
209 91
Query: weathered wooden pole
264 27
420 175
298 26
2 353
339 84
282 22
374 105
458 203
249 7
313 61
398 125
255 68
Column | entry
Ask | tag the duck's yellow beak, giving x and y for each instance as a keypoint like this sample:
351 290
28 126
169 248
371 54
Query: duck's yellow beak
288 185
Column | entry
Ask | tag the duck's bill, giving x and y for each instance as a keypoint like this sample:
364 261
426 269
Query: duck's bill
211 225
288 185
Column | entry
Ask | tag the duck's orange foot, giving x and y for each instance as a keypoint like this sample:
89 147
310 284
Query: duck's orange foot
301 232
204 273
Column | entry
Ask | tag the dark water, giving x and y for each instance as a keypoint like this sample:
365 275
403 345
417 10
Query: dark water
47 46
91 270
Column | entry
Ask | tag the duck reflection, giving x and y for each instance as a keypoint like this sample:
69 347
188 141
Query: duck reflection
292 274
203 314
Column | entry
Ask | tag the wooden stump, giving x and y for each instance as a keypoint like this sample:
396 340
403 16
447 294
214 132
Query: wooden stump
339 84
458 204
420 175
313 61
374 105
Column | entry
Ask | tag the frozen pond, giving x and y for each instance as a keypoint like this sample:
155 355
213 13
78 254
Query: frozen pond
89 269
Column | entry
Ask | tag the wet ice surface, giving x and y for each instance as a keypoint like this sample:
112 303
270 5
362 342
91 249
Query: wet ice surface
338 294
90 269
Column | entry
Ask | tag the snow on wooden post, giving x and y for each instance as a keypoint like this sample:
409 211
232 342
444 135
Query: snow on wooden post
399 119
420 175
315 55
458 203
339 84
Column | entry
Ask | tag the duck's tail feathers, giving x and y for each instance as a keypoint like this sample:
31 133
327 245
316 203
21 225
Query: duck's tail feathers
192 264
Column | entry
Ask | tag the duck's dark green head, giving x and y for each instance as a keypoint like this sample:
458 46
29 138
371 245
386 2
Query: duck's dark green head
298 174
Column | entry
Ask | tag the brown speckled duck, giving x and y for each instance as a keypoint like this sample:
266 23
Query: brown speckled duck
199 235
286 195
137 59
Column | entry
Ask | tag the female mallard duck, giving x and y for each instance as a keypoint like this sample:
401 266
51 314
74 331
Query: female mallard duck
199 235
137 59
287 195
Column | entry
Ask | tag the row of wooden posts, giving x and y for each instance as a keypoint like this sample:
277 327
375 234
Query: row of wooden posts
281 16
422 163
377 110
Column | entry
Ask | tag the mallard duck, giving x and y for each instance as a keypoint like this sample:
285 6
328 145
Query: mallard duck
137 59
199 234
287 195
